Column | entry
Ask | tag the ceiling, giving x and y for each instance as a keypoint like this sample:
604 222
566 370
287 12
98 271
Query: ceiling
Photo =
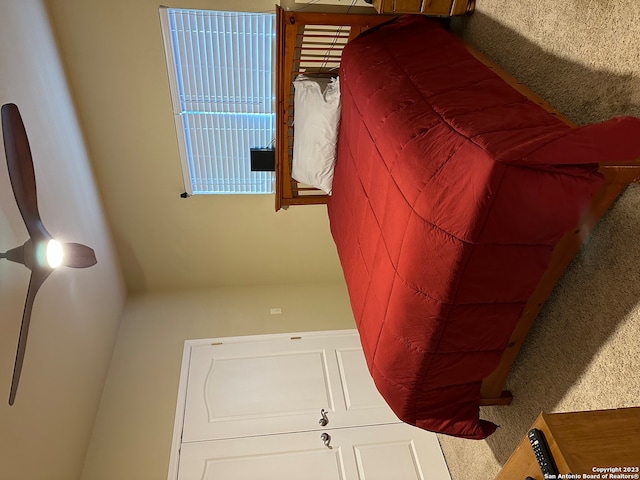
77 313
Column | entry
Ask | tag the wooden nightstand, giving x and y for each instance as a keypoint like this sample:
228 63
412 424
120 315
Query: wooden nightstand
444 8
580 442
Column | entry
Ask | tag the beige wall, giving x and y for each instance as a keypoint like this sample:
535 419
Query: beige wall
208 266
76 314
133 431
114 56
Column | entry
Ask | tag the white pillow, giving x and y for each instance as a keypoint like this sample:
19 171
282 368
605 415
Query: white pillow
315 130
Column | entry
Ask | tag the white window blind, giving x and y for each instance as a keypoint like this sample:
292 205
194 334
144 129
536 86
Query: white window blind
220 73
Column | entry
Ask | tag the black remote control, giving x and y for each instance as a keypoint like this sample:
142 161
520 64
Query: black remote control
542 453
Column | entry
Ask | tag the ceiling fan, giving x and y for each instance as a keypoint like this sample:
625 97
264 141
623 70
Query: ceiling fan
41 253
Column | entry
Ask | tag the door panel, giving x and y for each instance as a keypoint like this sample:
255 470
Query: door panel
231 394
382 452
283 457
395 451
388 459
358 387
279 385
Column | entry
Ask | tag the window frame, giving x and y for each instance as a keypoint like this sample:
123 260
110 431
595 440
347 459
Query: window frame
180 119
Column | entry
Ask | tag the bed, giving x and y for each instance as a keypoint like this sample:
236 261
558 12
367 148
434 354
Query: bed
457 200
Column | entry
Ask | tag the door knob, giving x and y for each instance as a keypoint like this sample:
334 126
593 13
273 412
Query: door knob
324 420
326 439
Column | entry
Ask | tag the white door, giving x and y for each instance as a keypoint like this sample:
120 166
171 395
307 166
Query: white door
278 385
383 452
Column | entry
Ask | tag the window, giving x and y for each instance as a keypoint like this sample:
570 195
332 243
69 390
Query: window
220 74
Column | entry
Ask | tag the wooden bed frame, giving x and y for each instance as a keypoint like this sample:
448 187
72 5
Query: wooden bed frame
308 41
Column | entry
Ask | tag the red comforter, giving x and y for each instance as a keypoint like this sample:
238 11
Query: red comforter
450 192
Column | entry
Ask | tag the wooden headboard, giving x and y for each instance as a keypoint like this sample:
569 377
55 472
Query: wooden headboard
306 42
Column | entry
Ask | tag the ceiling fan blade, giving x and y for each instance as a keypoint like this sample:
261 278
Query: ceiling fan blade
20 166
77 255
38 276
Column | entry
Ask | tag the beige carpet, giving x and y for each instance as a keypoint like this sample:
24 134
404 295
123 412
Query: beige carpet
582 56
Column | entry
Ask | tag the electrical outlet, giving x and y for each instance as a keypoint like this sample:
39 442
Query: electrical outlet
275 311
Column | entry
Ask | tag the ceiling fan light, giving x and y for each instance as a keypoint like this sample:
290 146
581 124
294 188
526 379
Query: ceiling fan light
54 253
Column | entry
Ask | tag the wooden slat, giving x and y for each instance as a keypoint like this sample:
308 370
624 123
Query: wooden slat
297 33
463 7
